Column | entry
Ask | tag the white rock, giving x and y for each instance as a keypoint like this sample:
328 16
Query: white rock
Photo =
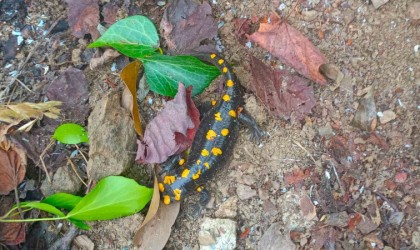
387 116
378 3
217 234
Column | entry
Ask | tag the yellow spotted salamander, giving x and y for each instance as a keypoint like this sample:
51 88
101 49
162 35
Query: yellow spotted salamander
213 143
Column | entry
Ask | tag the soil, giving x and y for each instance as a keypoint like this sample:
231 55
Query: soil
372 47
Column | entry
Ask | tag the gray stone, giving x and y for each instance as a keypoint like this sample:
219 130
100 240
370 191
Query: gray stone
326 131
245 192
378 3
64 180
217 234
396 218
82 242
228 209
274 239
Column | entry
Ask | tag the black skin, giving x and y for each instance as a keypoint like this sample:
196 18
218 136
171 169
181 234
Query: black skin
226 115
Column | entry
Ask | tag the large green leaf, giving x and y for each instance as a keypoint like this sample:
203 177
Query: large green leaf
112 197
134 36
163 73
44 207
70 133
62 200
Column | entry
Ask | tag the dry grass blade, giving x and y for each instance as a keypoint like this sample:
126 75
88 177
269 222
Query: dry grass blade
14 114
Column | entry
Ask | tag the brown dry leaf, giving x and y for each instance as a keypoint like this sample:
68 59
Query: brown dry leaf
292 47
296 177
109 12
187 25
354 221
14 114
129 75
339 149
83 17
107 56
365 116
307 207
284 94
10 233
156 227
12 166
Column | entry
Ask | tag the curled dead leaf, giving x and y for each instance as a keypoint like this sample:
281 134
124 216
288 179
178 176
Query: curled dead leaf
12 166
365 116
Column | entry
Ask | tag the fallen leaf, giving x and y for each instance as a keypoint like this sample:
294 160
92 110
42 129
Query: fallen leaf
129 76
401 177
292 47
12 166
109 12
319 238
83 17
284 94
273 238
378 140
366 225
171 131
242 28
156 227
365 116
354 220
307 207
10 233
337 219
107 56
339 150
296 177
187 25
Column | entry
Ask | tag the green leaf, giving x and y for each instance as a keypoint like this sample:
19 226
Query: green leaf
44 207
70 133
134 36
112 197
80 224
163 73
62 200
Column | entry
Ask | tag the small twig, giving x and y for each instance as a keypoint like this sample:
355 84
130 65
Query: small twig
23 85
383 197
41 157
75 171
338 179
307 152
18 204
86 161
64 242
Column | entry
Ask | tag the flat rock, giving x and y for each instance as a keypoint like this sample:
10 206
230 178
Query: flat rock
378 3
245 192
274 239
387 116
112 138
217 234
64 180
228 209
83 242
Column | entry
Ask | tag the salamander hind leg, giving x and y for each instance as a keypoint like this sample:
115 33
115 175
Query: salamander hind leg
197 209
256 132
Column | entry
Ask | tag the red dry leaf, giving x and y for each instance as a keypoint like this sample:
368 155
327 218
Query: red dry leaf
10 233
83 17
245 233
354 221
296 176
378 140
285 95
171 131
12 166
401 177
339 149
187 25
292 47
242 28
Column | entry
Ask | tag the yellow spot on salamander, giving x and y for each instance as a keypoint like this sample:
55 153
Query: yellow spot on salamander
221 61
169 179
181 161
199 189
207 165
218 117
216 151
211 135
225 132
196 175
232 113
166 199
213 102
226 98
212 56
198 162
205 152
185 173
225 70
229 83
177 194
161 187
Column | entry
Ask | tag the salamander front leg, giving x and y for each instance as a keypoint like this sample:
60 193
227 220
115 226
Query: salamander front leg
256 132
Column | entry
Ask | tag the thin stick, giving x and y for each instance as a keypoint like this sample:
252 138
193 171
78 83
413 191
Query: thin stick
338 179
41 157
86 161
18 203
387 200
23 85
75 171
307 152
